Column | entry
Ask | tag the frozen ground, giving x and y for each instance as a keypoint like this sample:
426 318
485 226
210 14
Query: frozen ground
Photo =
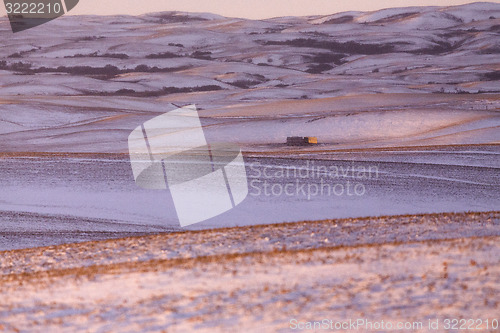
400 50
392 78
397 77
410 96
261 278
54 199
102 124
419 107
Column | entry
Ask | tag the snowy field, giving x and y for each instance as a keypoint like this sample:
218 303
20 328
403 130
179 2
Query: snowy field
431 147
408 269
405 105
56 199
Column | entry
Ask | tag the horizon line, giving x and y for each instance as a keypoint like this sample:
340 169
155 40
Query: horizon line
276 17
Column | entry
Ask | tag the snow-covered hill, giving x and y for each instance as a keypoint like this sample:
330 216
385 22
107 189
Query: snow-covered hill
92 68
399 47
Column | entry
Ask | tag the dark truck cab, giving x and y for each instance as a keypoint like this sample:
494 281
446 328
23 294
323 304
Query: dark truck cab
301 141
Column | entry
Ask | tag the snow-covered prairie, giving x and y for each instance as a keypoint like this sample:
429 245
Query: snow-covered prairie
395 77
55 199
405 105
412 92
262 279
